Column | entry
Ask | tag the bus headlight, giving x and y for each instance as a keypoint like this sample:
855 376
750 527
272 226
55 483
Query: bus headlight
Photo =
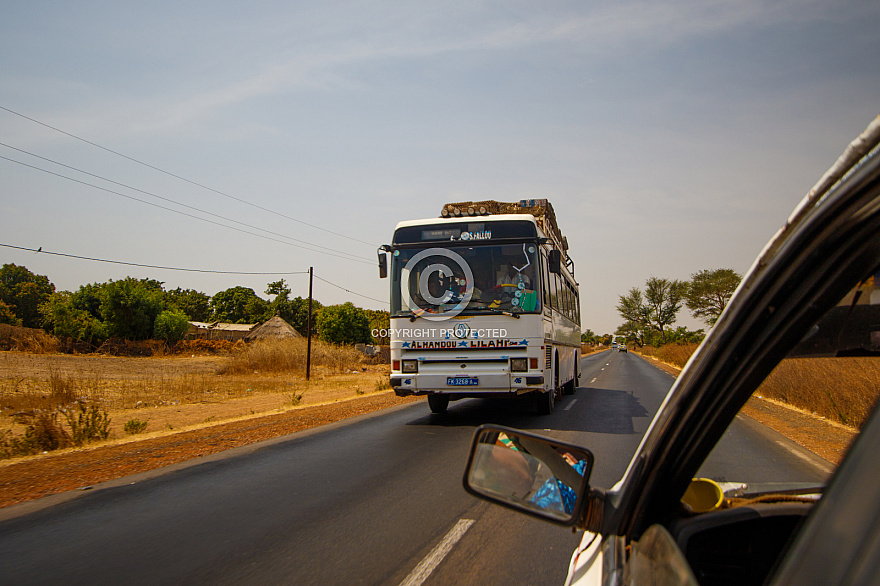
410 366
519 364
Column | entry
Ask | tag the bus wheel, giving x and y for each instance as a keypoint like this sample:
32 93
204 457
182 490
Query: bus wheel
546 401
438 403
569 387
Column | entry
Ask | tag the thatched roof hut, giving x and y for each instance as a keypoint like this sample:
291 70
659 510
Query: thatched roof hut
275 328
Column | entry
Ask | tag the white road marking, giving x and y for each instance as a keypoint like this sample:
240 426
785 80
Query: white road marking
570 405
594 380
811 461
421 572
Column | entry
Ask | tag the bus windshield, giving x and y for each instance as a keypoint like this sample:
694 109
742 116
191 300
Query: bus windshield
474 279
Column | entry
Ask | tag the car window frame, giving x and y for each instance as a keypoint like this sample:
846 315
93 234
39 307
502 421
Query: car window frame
833 245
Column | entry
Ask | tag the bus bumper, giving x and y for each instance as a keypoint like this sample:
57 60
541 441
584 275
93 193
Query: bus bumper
487 384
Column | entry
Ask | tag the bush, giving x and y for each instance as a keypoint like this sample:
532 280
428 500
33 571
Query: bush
88 425
344 324
134 426
43 434
64 315
171 326
130 306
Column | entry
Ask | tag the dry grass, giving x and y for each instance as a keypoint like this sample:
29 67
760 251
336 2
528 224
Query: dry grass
26 340
290 356
839 389
675 354
177 391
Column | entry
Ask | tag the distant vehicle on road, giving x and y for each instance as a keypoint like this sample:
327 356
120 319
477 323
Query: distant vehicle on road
621 348
809 306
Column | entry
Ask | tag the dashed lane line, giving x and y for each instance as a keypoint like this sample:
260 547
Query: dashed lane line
421 572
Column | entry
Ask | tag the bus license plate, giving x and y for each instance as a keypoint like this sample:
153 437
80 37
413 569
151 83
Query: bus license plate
462 381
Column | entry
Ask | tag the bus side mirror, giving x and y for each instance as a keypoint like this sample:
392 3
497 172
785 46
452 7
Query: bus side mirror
383 264
555 261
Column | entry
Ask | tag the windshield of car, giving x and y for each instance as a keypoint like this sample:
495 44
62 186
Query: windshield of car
466 279
799 423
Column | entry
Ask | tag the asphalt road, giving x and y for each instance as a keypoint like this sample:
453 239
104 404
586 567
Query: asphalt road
376 500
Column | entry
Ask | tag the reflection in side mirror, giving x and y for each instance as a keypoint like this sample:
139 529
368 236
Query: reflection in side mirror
383 264
532 474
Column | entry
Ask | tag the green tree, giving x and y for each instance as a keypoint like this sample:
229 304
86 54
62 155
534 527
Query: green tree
682 335
632 331
344 324
195 304
65 318
656 309
281 304
238 305
709 293
90 298
632 308
171 326
130 307
279 289
379 320
24 291
7 315
664 299
298 313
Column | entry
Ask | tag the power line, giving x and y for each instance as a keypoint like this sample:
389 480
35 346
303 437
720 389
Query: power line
184 178
169 199
349 291
133 264
355 259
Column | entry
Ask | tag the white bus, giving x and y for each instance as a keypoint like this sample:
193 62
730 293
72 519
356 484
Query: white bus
483 304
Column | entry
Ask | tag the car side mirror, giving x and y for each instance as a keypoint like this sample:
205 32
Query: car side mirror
529 473
554 261
383 264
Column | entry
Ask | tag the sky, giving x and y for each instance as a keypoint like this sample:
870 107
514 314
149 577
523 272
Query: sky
270 137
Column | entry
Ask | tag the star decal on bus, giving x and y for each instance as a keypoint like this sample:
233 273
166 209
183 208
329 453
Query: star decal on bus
406 345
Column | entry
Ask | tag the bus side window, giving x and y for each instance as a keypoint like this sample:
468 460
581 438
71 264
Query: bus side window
570 297
556 293
563 289
566 306
546 280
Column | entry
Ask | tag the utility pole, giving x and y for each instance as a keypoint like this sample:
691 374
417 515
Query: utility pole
309 328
